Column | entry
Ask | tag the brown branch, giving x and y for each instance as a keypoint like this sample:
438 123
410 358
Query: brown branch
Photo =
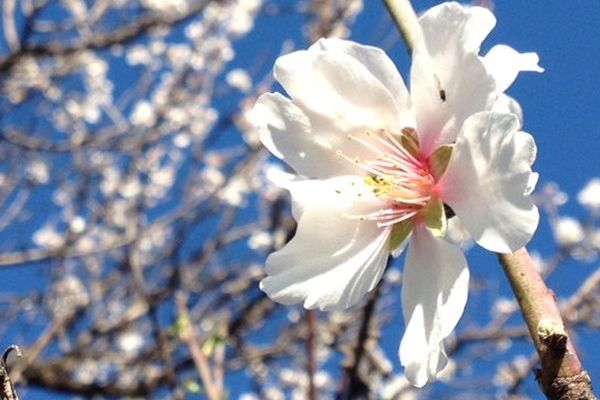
561 375
326 16
311 322
54 374
35 255
7 392
351 384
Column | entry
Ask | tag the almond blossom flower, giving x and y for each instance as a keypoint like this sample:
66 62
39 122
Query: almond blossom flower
379 169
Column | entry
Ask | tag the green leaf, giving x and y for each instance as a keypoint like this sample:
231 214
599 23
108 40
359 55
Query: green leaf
212 343
181 325
192 386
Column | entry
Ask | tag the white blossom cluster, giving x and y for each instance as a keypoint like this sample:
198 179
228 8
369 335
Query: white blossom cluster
579 236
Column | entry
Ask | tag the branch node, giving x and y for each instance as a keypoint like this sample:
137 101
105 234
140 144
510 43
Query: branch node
571 387
7 352
552 334
7 390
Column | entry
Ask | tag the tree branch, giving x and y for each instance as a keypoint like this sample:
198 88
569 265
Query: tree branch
8 391
351 384
561 375
405 18
311 322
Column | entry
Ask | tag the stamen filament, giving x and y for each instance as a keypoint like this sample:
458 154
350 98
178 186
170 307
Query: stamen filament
401 148
394 175
395 221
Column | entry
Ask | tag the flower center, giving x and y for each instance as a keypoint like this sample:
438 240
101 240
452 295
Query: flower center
395 174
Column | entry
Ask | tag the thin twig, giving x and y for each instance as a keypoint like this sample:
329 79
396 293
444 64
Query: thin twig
405 18
10 28
351 384
190 337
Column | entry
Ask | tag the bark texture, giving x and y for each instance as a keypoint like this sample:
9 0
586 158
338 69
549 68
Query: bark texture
561 375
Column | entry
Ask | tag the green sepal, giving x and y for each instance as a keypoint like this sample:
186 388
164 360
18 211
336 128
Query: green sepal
438 161
400 233
192 386
181 326
211 344
410 141
434 217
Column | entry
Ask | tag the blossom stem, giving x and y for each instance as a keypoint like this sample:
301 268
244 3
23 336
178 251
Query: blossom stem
405 18
561 375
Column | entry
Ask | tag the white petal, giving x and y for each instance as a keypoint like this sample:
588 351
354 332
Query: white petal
449 81
333 260
505 63
380 66
488 181
434 293
452 24
347 194
280 123
458 235
505 104
338 87
307 146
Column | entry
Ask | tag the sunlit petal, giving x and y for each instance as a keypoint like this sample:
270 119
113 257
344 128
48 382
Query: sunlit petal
489 179
434 293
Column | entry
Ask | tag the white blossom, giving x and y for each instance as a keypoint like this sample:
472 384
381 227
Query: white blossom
38 170
260 240
568 232
77 224
48 237
67 295
178 6
379 168
589 196
138 55
130 342
239 79
143 114
182 140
